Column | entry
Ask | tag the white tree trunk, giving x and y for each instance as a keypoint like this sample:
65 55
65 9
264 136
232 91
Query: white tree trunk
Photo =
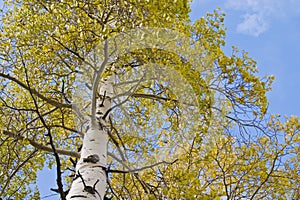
91 177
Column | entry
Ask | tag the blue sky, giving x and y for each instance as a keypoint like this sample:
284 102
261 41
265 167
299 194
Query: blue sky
270 31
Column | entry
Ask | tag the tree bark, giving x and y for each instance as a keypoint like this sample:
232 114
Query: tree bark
91 176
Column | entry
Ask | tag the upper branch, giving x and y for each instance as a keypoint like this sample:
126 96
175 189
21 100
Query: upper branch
96 83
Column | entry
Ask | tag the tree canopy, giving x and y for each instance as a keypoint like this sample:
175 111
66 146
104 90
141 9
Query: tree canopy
187 121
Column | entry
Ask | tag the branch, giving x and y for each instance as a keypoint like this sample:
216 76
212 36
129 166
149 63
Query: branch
131 91
266 179
77 154
57 159
42 146
33 91
142 168
60 151
96 83
4 186
155 97
115 141
145 186
68 49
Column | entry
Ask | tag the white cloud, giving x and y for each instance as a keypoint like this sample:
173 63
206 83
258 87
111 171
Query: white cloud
253 24
257 14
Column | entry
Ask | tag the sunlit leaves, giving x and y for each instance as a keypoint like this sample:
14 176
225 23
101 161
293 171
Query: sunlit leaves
188 103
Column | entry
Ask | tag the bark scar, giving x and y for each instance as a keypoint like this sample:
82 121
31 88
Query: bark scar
94 158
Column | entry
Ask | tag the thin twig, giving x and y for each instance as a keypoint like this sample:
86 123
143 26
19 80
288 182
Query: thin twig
142 168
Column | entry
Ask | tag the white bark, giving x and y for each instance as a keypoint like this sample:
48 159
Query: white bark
90 170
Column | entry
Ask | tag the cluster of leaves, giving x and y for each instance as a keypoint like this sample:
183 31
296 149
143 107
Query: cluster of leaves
193 119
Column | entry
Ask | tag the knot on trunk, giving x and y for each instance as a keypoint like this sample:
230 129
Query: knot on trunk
92 159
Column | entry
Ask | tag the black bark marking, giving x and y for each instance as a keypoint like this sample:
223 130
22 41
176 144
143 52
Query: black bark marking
75 196
88 188
92 159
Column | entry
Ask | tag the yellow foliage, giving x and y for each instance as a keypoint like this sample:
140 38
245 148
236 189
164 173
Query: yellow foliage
204 116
